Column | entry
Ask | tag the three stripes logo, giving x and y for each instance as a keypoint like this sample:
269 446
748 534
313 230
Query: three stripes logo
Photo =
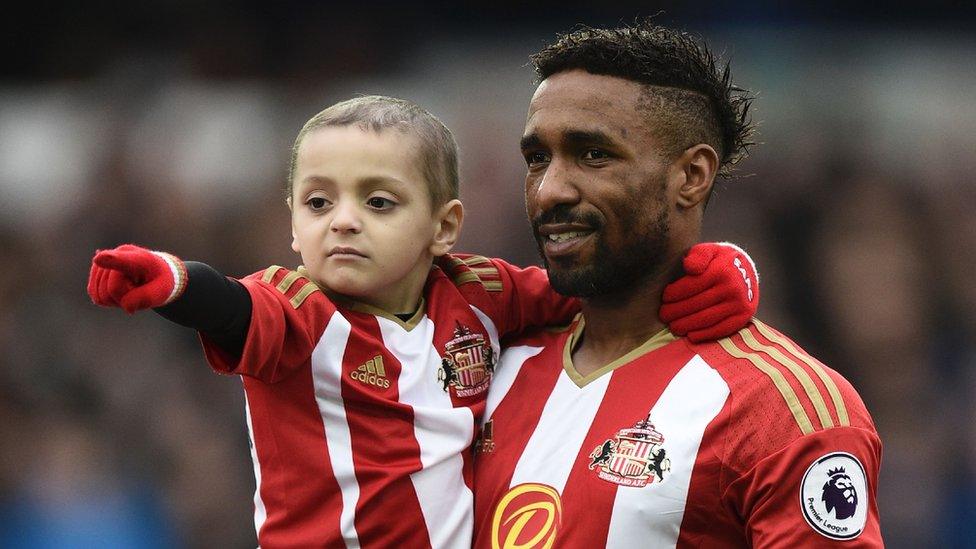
372 372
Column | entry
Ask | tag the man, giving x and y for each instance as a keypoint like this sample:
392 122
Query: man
613 432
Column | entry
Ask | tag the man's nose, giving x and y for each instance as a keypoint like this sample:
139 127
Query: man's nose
556 186
346 218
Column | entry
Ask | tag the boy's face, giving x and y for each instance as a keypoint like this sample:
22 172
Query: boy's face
362 217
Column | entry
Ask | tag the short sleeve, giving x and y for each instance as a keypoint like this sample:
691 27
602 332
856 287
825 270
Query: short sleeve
818 491
517 299
289 314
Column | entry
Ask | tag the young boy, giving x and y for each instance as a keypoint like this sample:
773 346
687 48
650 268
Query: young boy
366 369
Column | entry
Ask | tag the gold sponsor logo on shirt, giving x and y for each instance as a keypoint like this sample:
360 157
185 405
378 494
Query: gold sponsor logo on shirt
528 516
372 372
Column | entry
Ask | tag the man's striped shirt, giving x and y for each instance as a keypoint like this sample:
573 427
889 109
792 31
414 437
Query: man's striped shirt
743 442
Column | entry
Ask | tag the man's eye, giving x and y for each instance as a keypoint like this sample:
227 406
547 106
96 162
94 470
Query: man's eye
534 158
380 203
595 154
317 202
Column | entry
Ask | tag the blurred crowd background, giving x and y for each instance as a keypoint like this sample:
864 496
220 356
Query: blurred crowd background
168 125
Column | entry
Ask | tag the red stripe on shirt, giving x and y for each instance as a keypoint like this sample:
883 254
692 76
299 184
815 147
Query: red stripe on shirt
302 506
384 449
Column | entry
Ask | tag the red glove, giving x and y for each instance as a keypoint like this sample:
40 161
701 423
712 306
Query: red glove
135 278
718 295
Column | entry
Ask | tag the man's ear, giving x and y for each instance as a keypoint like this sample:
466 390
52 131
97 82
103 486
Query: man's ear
447 227
696 169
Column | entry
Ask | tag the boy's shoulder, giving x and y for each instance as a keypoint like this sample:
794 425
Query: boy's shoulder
470 269
295 285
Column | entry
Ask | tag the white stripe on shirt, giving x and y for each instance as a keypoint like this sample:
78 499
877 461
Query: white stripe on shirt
651 515
442 431
555 437
327 377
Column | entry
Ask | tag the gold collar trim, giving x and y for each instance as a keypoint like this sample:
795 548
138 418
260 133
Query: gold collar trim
359 307
656 341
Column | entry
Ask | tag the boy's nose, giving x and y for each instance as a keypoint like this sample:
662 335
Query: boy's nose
346 219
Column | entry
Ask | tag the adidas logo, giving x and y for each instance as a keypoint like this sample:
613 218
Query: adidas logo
372 372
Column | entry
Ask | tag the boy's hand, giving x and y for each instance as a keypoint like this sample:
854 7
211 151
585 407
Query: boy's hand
135 278
717 296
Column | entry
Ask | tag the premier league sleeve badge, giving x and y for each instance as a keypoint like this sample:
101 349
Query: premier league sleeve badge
834 496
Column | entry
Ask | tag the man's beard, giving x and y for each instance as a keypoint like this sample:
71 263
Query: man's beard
610 271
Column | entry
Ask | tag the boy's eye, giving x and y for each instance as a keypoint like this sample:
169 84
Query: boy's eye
317 202
380 203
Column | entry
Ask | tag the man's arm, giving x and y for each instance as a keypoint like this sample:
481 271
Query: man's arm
819 491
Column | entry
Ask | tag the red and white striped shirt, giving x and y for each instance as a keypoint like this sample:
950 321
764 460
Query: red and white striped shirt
743 442
359 421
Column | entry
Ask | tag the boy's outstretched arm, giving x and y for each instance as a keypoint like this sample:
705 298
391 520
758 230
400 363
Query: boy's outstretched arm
192 294
717 296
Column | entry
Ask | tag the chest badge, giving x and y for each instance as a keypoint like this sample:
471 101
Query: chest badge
633 457
467 363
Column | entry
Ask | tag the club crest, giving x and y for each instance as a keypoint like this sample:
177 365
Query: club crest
633 457
467 363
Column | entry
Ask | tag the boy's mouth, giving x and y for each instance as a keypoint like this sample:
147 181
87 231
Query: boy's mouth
345 251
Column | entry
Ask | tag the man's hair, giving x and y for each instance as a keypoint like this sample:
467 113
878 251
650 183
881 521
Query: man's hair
689 98
438 152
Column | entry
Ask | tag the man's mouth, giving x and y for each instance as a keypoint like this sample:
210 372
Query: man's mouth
563 239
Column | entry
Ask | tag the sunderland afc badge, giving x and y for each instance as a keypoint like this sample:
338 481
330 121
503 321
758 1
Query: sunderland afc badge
633 457
467 363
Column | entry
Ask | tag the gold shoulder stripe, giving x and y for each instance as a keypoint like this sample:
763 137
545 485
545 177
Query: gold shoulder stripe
464 278
308 289
476 260
492 286
491 271
453 262
814 365
792 402
813 393
270 272
286 282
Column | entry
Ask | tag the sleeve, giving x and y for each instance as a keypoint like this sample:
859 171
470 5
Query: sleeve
214 304
519 299
818 491
288 315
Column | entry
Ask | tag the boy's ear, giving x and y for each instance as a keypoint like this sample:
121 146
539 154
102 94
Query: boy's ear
696 168
294 237
447 227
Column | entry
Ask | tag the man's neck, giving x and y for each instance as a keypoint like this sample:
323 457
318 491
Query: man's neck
617 324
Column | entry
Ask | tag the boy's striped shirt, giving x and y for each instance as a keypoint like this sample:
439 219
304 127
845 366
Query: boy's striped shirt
361 423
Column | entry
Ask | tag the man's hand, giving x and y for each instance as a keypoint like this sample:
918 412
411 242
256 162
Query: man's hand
135 278
718 295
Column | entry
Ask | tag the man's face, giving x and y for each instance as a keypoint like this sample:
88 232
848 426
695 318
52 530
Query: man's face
596 184
361 214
